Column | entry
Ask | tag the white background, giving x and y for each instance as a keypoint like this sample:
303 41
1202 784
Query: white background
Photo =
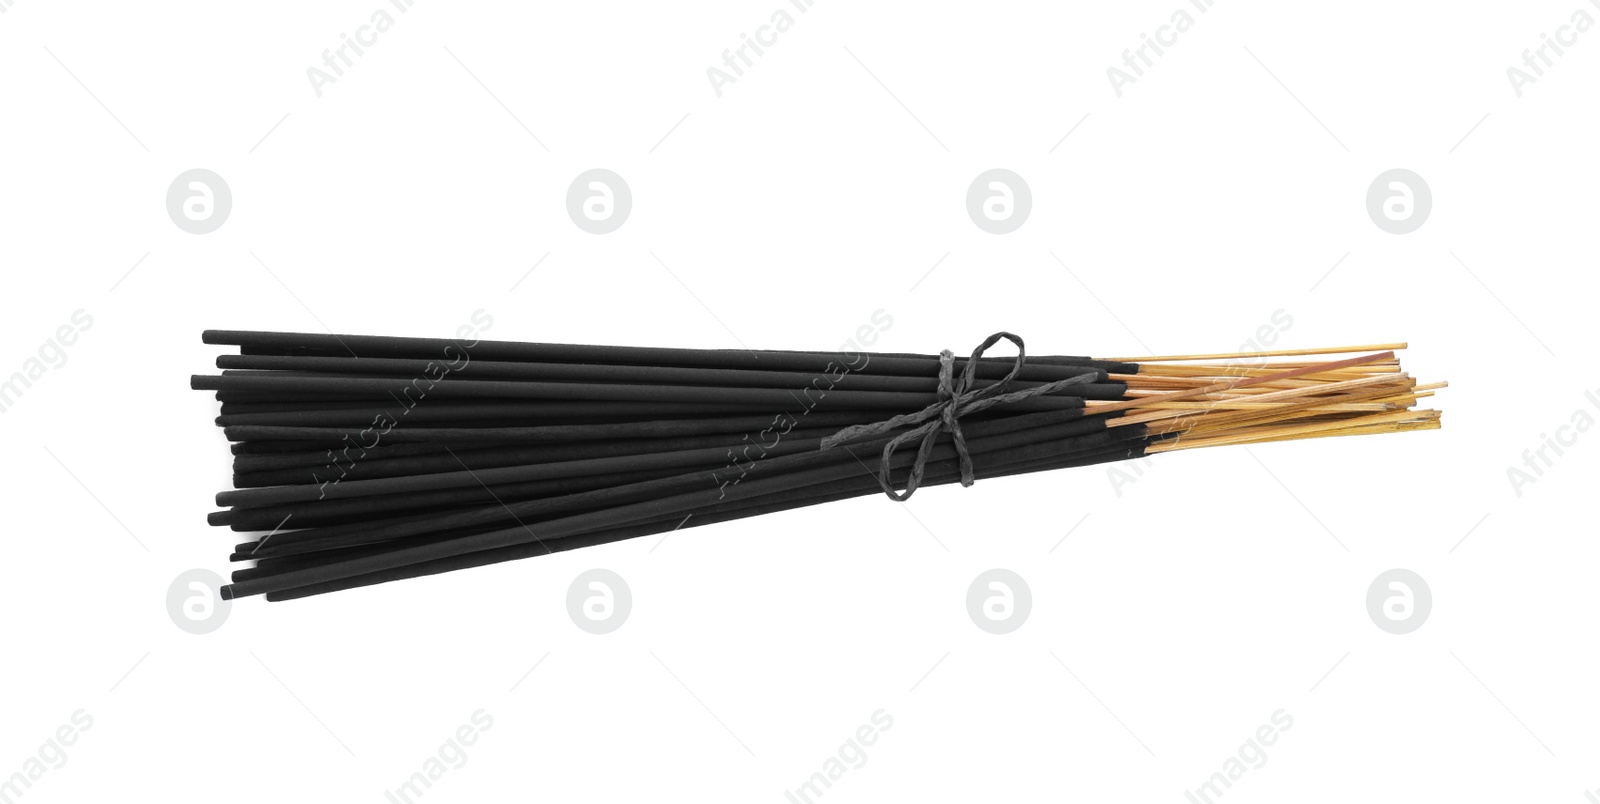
1183 610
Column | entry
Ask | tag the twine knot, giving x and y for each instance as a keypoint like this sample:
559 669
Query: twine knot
957 398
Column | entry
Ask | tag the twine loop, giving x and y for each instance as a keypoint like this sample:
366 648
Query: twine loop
957 398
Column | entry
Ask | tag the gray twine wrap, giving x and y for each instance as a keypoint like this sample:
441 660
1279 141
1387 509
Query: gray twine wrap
955 401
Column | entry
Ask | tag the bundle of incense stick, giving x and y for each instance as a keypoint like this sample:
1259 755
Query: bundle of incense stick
360 459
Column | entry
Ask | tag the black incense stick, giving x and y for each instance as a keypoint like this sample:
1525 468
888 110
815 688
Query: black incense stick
369 459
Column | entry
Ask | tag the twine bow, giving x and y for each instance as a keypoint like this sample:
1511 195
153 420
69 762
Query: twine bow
957 398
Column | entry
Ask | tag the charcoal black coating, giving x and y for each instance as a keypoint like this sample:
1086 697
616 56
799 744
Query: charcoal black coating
421 389
943 472
351 467
277 495
937 474
550 434
322 453
361 509
678 478
455 413
1029 448
313 378
254 342
611 373
796 382
331 458
1083 434
949 475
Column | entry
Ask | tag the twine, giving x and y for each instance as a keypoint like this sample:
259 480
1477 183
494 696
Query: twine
956 399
